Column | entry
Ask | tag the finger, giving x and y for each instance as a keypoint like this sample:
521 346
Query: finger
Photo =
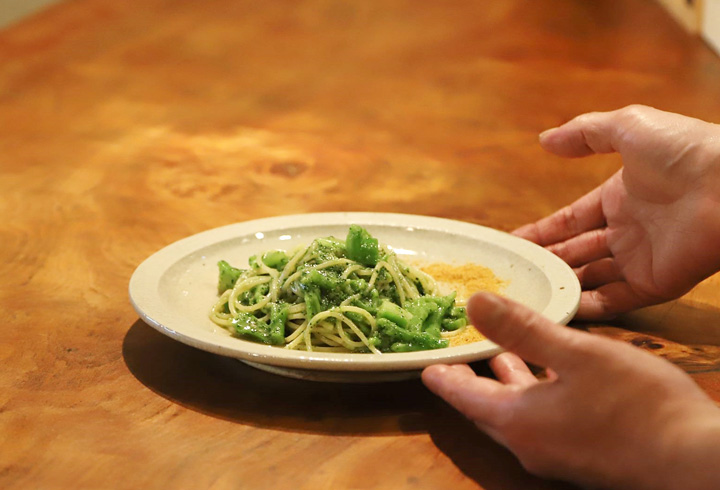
584 248
583 215
608 301
523 331
631 128
511 370
480 399
585 135
464 368
598 273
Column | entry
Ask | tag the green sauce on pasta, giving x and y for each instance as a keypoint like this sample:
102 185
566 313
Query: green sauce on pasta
338 296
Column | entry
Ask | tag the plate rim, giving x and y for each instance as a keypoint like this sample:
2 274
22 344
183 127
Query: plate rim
144 283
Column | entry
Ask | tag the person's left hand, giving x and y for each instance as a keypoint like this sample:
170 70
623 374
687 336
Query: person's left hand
649 233
609 414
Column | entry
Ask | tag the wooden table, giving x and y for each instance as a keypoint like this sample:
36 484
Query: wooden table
125 126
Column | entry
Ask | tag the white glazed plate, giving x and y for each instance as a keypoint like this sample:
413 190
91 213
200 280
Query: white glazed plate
174 289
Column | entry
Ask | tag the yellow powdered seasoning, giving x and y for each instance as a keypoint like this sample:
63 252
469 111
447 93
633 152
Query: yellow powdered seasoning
466 279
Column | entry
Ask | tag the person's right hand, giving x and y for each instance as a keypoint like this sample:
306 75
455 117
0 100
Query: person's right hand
608 415
652 231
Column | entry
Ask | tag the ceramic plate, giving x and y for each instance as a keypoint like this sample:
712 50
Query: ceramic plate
174 289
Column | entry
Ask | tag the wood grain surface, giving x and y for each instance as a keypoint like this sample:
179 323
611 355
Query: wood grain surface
125 126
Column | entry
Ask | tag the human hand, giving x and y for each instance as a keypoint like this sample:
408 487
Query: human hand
609 414
652 231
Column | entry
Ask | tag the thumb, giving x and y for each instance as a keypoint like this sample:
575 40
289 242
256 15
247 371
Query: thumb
521 330
591 133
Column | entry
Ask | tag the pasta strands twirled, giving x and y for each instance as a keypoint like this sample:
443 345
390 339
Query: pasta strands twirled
335 296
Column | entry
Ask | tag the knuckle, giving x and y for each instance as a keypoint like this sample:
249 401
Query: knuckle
600 238
569 218
521 336
589 350
634 110
600 304
587 118
558 249
533 232
633 115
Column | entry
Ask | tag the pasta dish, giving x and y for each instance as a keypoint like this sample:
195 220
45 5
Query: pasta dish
352 295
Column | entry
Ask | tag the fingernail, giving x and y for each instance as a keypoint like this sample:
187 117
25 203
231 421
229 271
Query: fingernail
432 373
546 133
438 368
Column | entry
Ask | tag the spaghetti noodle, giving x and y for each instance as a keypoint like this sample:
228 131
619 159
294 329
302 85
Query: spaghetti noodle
336 296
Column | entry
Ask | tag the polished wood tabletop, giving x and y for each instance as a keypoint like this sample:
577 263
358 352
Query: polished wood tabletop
125 126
